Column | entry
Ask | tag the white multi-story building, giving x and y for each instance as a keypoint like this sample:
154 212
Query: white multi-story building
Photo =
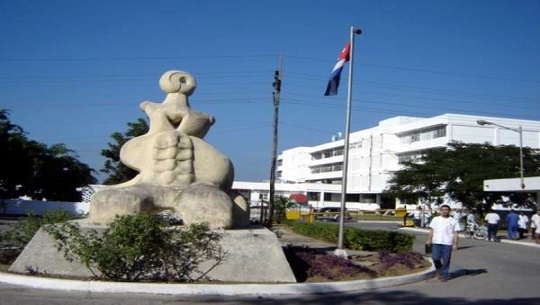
376 152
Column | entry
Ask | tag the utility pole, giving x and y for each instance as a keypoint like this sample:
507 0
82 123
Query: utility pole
275 95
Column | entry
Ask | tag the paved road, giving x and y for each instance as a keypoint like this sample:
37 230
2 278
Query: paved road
497 272
486 273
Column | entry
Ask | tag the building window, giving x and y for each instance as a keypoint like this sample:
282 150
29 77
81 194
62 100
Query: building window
334 167
424 134
312 196
410 157
328 153
329 197
352 197
325 181
368 198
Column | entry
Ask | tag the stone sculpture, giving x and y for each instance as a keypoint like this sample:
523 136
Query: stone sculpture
178 170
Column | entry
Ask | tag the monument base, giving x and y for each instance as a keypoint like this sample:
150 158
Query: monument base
254 255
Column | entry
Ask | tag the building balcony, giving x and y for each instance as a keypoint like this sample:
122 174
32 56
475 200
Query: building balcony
326 175
330 160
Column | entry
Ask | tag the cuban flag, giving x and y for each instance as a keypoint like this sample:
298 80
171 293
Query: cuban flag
333 83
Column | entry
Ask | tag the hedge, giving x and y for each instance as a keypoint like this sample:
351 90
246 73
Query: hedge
356 238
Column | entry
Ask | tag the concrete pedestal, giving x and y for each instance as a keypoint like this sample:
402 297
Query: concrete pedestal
254 255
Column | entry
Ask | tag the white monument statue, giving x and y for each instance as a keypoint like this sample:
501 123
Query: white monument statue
178 170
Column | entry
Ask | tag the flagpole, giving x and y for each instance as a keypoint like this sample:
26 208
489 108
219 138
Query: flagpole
340 246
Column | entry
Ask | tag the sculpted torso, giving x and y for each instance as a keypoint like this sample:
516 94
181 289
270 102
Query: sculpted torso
178 170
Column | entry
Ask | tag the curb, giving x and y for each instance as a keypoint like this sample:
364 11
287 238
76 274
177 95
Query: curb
212 289
521 243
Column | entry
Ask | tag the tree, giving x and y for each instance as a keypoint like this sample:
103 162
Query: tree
58 174
281 206
459 171
37 170
424 180
15 163
118 172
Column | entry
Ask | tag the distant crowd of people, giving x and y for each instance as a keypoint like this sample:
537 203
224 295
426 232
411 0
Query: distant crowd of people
517 224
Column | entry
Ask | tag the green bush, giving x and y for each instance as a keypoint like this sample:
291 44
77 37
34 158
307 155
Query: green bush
20 233
141 248
355 238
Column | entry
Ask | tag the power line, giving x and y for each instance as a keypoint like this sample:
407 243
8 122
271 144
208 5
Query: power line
424 70
200 102
145 76
432 90
360 106
250 74
529 105
244 56
60 59
363 82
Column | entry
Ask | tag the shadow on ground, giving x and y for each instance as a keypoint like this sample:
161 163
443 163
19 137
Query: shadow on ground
379 298
371 298
468 272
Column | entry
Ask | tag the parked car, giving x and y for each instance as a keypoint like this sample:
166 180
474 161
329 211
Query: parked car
171 218
331 214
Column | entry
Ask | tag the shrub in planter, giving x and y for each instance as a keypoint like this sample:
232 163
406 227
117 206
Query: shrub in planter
309 263
13 241
355 238
141 248
408 259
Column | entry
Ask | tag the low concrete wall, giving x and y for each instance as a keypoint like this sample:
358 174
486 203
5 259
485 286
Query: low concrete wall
253 255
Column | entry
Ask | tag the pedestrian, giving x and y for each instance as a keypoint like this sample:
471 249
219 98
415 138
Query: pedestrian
523 224
535 226
426 218
512 220
443 238
457 215
471 224
417 216
492 220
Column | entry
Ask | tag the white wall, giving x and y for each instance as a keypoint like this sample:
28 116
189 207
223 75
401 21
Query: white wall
23 207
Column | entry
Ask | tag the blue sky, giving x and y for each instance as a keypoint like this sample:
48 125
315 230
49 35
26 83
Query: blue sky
74 72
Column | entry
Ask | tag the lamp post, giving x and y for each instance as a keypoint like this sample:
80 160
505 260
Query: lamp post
518 130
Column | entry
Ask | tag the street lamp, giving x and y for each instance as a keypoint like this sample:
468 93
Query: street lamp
518 130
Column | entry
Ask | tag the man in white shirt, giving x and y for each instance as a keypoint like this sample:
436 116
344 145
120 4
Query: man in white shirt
523 224
535 222
471 225
417 214
492 220
443 238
